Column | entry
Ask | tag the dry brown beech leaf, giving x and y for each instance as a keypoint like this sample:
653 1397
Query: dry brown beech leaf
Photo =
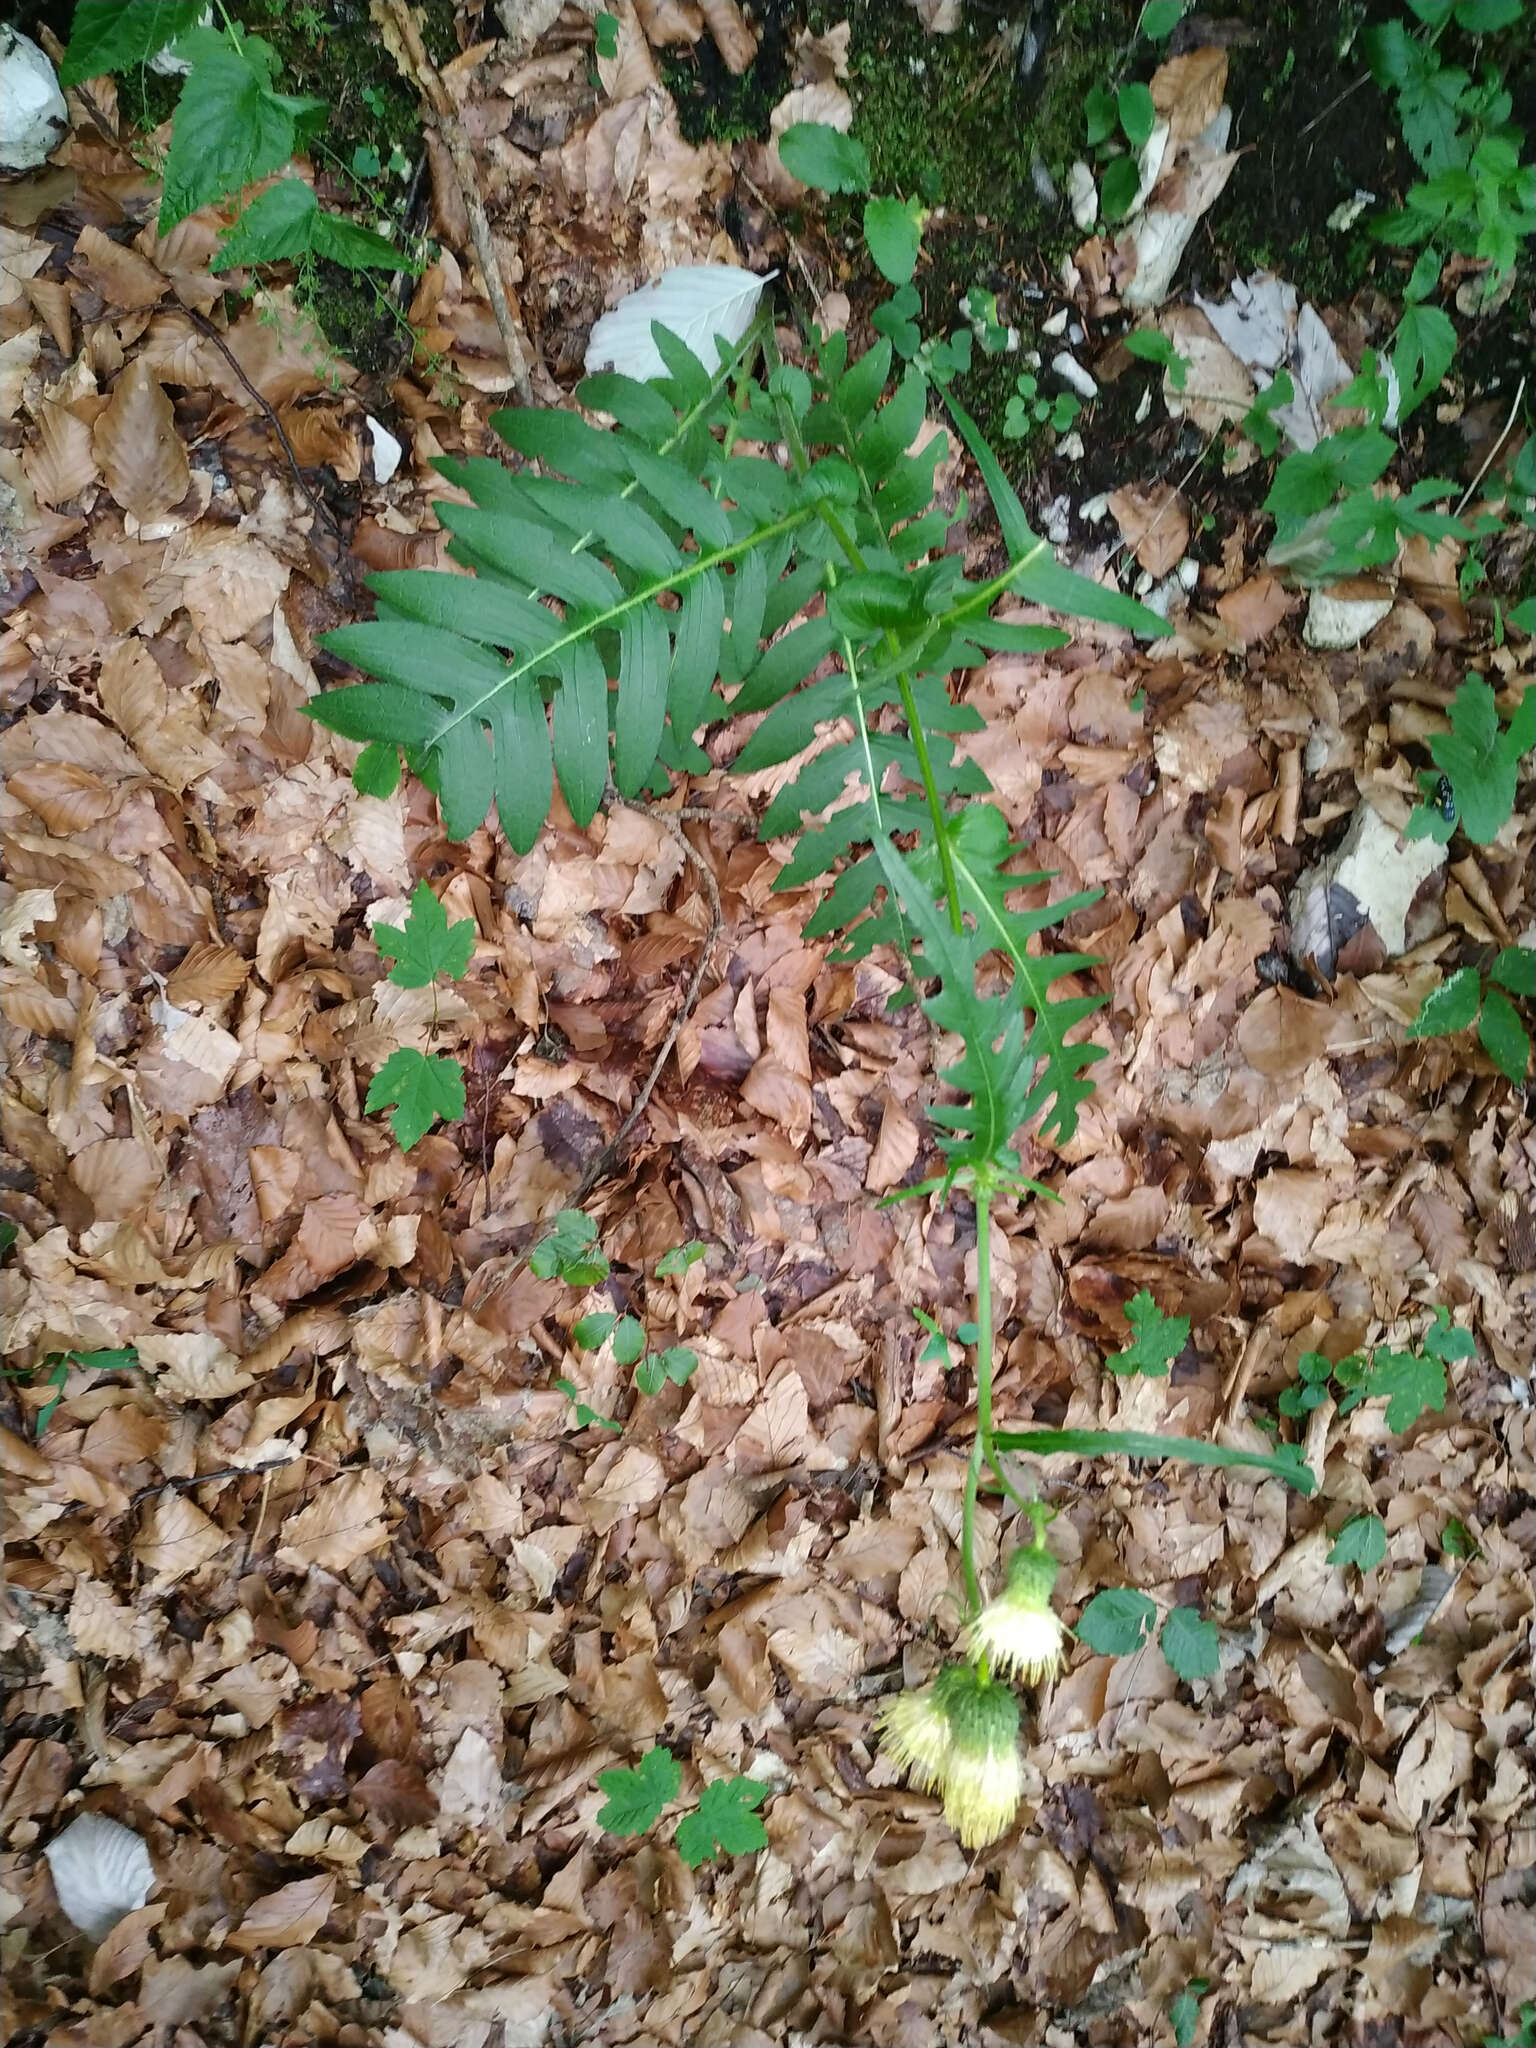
137 445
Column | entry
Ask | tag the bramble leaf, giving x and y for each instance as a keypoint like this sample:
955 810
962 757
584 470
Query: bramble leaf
117 35
230 127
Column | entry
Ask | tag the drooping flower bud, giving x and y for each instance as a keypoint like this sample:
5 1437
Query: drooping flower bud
1019 1633
914 1731
982 1779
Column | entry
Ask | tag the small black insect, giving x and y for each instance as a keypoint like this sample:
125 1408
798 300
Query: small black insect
1445 800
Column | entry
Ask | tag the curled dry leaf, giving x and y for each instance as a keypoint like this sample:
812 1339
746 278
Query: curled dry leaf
631 69
668 23
1187 91
1154 522
136 443
733 39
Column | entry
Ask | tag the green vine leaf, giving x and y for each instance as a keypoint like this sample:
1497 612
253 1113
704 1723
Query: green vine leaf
1156 1339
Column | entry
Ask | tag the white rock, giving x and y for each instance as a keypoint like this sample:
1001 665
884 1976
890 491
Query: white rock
33 116
1082 195
386 450
1095 509
101 1870
1057 324
1188 572
1348 211
1336 618
1372 878
1071 371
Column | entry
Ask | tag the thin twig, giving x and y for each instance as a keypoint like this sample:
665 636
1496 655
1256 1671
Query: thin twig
456 141
607 1158
205 326
1337 101
1514 414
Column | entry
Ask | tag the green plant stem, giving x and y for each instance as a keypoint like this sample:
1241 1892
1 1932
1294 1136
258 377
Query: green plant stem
981 1450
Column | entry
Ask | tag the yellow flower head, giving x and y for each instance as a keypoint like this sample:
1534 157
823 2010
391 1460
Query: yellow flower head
914 1729
983 1774
1019 1632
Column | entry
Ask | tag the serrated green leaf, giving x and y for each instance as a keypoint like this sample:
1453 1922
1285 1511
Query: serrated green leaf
423 1087
1515 969
1362 1541
1450 1007
230 128
1422 352
636 1798
1184 2009
566 1251
650 1375
427 945
1410 1382
1190 1644
117 35
1156 1339
1117 1621
724 1823
590 1330
1503 1036
678 1363
286 222
822 157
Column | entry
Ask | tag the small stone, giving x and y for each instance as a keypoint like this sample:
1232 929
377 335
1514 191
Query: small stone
1082 195
1057 324
1071 371
1342 614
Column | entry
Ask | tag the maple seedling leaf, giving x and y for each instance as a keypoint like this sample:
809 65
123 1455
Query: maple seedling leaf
422 1087
723 1823
1410 1382
427 945
636 1798
1156 1339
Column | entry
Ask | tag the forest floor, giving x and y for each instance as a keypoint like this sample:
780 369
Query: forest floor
323 1585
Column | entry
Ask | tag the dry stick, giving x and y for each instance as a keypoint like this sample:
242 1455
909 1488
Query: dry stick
1514 414
606 1159
456 141
205 326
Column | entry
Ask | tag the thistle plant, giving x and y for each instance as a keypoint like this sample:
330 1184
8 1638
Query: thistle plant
635 583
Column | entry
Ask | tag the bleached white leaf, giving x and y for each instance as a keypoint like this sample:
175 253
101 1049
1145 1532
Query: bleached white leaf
101 1870
698 302
386 450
